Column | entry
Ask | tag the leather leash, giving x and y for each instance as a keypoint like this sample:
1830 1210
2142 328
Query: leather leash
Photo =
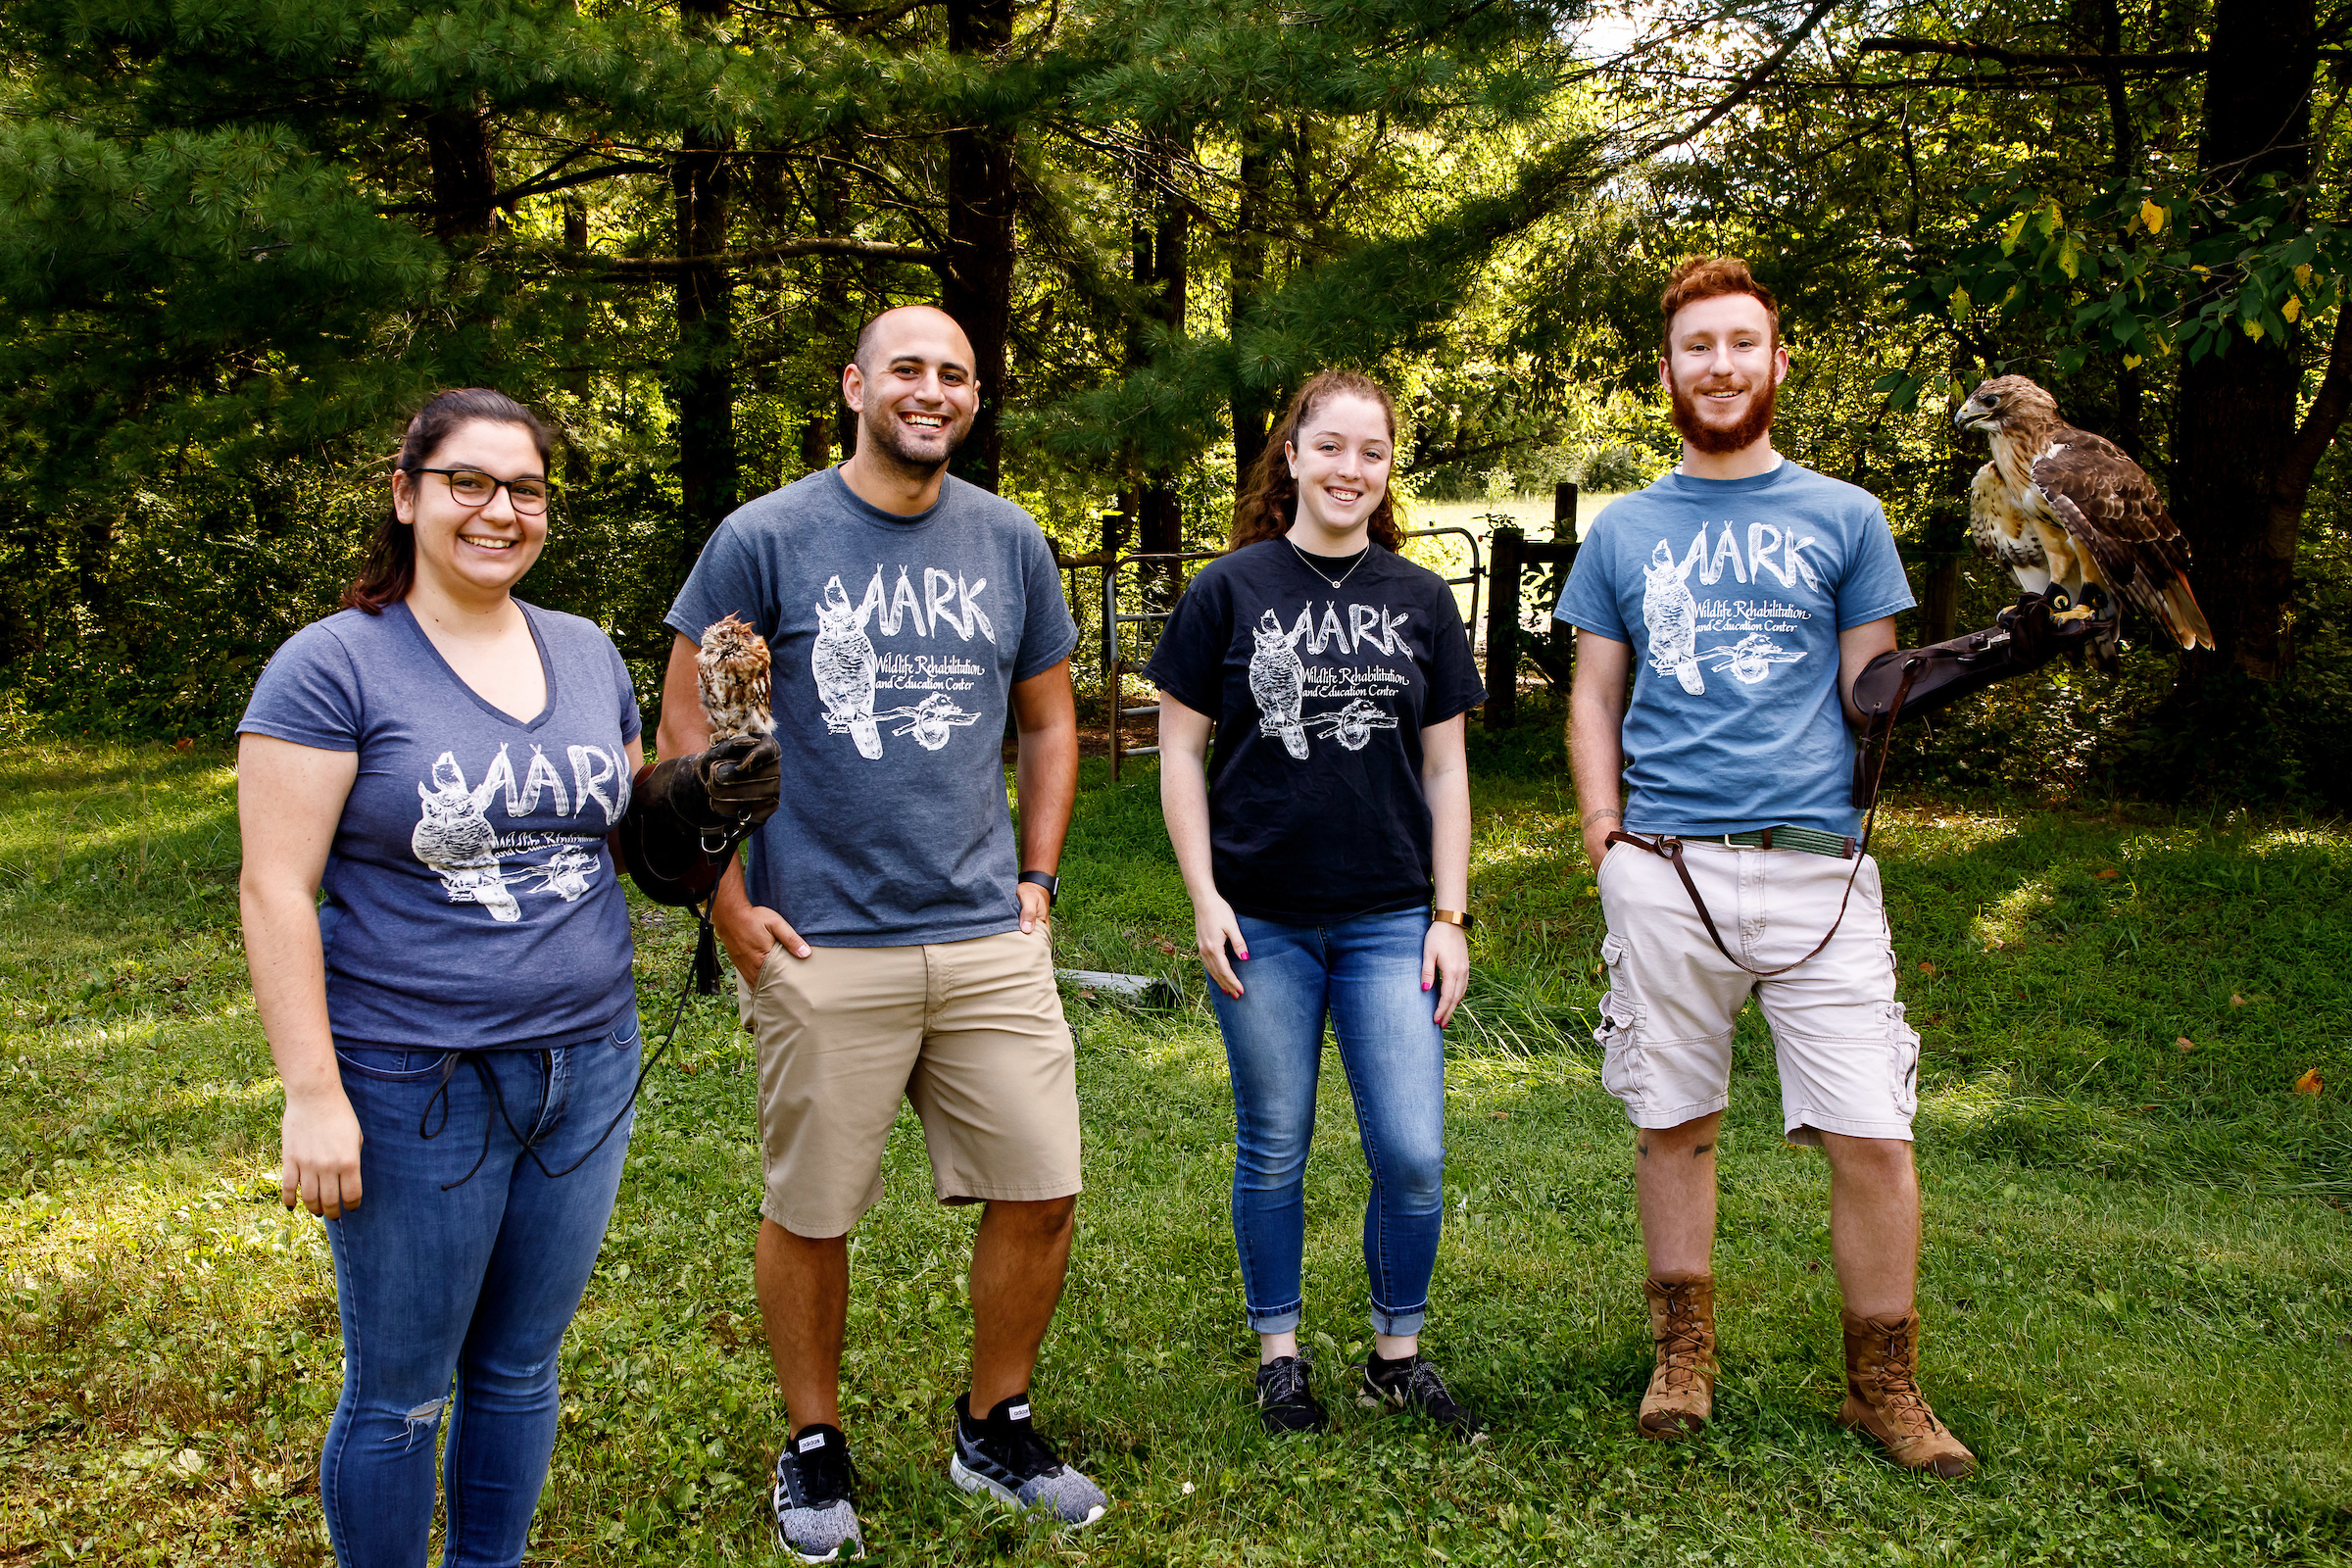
1666 847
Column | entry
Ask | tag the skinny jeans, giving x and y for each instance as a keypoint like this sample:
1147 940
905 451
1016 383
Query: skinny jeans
1363 976
456 1277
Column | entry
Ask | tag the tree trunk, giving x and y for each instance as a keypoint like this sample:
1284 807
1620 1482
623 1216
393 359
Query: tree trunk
1946 545
836 331
702 371
1248 405
2237 411
977 286
456 145
1162 522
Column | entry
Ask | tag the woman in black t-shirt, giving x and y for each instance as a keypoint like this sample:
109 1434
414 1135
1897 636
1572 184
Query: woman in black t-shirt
1336 675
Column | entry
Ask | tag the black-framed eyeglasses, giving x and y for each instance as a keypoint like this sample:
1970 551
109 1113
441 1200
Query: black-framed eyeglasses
471 487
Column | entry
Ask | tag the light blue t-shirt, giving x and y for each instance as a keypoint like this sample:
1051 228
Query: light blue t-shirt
1732 593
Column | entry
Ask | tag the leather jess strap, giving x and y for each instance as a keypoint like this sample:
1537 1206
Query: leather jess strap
1668 848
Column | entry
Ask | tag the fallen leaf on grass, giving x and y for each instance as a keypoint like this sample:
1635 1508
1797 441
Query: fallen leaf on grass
2186 1045
1991 943
1926 967
2309 1083
1500 1115
2236 1000
2109 875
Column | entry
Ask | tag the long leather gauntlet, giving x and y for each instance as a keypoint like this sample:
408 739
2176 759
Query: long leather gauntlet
687 814
1913 682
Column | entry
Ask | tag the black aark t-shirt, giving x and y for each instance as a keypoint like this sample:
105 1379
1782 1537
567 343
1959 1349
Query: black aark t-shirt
1319 697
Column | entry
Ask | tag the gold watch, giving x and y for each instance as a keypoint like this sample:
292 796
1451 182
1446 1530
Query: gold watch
1460 917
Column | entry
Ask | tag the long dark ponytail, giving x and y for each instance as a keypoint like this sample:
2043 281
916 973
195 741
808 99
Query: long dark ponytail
389 570
1267 503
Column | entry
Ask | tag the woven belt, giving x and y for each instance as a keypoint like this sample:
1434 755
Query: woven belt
1808 840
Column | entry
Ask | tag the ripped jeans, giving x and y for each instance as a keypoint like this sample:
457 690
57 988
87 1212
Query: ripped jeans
472 1284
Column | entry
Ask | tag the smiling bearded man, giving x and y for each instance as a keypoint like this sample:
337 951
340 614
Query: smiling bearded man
892 941
1742 594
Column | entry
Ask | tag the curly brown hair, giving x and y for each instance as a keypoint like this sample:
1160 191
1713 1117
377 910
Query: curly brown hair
1268 503
1705 277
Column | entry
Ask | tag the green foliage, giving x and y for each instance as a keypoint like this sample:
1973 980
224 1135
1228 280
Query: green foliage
2137 1278
2145 272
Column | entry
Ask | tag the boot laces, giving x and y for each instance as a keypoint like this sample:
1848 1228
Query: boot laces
1898 1385
1683 1347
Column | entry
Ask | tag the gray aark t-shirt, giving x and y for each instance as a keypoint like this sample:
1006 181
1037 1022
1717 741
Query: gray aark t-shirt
895 642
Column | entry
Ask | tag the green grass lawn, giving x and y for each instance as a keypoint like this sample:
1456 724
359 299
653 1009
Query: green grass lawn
2137 1280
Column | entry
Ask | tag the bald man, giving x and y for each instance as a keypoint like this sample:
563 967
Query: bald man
892 941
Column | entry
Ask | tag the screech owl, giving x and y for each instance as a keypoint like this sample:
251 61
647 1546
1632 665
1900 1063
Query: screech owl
731 671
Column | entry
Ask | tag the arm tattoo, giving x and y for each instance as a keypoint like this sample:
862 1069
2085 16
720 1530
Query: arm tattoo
1704 1149
1602 812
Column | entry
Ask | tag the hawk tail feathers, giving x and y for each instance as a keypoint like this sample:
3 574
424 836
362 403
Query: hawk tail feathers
2176 607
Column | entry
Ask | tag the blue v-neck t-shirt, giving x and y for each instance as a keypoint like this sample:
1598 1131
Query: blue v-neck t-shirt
471 900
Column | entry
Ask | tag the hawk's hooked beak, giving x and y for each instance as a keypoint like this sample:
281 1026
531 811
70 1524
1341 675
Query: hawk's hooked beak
1973 418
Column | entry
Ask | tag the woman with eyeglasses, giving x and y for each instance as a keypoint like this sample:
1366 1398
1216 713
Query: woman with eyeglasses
456 1026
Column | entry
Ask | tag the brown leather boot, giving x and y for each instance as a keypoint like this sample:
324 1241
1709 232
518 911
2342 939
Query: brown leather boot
1883 1397
1682 1387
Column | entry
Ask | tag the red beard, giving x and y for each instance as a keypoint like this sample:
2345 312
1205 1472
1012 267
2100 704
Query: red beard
1718 439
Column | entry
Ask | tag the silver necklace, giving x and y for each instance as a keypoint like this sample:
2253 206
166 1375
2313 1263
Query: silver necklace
1309 563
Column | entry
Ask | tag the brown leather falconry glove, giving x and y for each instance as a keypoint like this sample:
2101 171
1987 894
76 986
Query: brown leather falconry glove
1913 682
686 815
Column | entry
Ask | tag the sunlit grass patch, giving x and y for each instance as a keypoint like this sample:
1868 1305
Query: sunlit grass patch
2137 1274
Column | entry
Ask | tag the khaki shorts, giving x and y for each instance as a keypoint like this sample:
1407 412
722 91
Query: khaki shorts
970 1032
1848 1063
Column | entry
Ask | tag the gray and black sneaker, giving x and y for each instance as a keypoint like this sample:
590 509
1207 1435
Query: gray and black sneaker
1284 1402
814 1479
1004 1457
1413 1384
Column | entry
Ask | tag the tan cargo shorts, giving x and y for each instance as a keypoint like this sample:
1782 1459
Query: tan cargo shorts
970 1032
1848 1063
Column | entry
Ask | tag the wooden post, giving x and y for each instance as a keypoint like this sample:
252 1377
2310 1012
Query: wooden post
1502 626
1563 531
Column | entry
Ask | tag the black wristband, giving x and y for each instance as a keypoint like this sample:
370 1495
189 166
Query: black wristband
1047 880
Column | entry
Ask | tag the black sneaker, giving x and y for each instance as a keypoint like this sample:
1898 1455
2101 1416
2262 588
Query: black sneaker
1413 1385
1285 1402
1004 1457
813 1483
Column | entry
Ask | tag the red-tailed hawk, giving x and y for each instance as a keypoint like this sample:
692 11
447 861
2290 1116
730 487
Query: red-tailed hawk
2061 507
731 671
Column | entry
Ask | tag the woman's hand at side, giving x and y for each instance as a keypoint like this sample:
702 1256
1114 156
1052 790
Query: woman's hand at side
1184 734
1446 964
320 1137
1215 928
289 801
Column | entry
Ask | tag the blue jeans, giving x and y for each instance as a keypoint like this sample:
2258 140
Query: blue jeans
443 1275
1363 974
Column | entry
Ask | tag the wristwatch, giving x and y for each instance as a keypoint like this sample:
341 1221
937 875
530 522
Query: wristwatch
1460 917
1047 880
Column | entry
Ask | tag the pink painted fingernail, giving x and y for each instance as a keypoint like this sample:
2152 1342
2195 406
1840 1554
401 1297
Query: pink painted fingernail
1425 985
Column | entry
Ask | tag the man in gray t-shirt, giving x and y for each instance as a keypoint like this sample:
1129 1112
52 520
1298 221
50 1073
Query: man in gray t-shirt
893 940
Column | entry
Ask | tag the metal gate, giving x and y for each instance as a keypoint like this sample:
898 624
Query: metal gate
1114 642
1115 663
